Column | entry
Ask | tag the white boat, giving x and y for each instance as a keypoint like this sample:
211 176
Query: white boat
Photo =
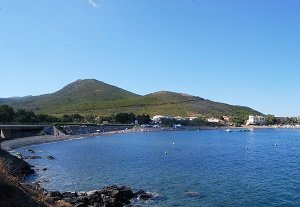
228 130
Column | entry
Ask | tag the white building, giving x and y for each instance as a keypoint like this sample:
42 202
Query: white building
157 118
191 118
213 120
256 120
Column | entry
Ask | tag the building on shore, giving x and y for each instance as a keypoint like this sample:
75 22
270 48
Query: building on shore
157 118
256 120
213 120
179 118
226 118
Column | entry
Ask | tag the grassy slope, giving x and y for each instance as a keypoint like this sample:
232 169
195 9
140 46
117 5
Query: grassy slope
95 97
81 91
166 103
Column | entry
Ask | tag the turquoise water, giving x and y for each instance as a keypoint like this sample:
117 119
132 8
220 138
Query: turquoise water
260 168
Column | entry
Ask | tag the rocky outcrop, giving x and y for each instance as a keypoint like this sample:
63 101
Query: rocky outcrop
15 193
111 196
15 166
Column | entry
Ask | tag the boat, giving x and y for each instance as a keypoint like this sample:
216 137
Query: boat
228 130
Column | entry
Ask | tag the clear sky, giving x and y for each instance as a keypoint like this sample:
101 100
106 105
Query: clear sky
244 52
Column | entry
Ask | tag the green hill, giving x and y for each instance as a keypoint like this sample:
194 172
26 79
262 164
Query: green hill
95 97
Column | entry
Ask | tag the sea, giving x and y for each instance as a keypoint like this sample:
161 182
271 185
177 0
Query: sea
181 168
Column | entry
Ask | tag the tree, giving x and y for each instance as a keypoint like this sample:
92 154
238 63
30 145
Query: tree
43 118
125 118
7 114
90 118
168 122
23 116
77 118
197 122
239 120
271 120
143 119
66 118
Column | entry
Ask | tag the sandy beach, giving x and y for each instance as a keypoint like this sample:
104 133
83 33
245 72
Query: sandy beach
26 141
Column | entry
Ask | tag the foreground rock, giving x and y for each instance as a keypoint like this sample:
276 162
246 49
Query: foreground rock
13 192
15 166
111 196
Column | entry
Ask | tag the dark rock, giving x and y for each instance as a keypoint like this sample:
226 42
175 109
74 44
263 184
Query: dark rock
55 194
74 200
50 158
31 157
145 196
30 150
70 195
83 199
15 166
44 169
139 192
111 196
68 200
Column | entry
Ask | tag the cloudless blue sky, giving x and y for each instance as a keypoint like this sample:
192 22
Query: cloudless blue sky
244 52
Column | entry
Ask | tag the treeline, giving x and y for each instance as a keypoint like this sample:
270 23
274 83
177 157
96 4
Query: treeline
195 122
9 115
272 120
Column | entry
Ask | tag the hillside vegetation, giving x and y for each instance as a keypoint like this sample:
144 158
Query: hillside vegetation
95 97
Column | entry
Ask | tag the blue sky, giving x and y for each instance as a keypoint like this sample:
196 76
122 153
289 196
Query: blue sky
244 52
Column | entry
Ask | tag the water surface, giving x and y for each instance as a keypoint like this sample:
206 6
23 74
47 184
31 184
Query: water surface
260 168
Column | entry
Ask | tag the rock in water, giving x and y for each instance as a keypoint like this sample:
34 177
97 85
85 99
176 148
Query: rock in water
193 194
31 157
111 196
141 194
145 196
50 158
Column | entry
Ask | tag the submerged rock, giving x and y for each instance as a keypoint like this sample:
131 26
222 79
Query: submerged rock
30 150
31 157
193 194
50 158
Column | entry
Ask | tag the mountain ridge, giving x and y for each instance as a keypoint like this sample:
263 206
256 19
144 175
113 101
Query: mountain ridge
90 96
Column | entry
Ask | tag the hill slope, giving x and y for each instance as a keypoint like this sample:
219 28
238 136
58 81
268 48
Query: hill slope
80 91
92 96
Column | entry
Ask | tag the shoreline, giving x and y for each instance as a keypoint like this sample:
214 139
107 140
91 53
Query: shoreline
12 144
